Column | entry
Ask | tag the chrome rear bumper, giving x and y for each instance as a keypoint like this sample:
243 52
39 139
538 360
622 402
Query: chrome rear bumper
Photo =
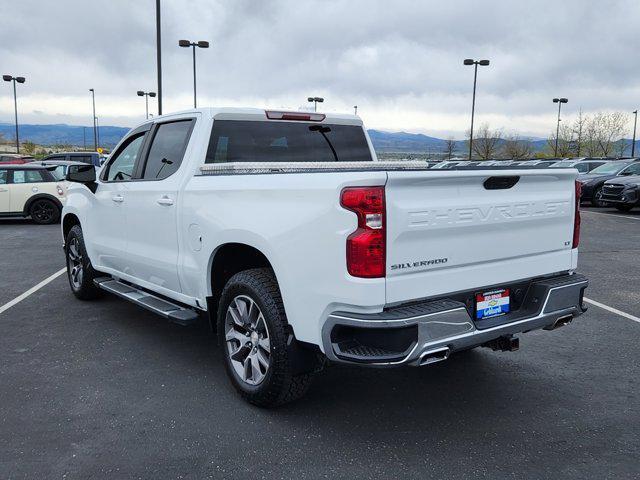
427 332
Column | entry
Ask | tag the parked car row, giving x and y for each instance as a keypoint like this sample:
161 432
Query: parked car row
93 158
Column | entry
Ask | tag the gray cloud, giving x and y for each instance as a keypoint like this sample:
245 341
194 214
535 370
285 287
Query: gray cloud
400 61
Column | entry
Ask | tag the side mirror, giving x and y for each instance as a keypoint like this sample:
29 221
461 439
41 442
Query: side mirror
85 174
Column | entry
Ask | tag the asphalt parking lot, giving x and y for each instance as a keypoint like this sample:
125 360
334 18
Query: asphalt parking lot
107 390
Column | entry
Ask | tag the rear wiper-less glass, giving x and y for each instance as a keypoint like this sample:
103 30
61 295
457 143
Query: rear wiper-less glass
324 130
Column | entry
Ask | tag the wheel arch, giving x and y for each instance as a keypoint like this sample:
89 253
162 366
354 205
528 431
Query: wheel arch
225 261
68 222
41 196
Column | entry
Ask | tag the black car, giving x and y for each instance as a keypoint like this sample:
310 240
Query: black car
93 158
622 193
593 181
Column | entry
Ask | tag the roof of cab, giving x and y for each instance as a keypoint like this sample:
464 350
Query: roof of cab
256 114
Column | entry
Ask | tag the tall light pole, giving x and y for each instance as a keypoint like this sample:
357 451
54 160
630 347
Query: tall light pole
146 96
559 101
633 144
159 56
97 120
316 101
355 109
193 45
10 78
95 131
475 63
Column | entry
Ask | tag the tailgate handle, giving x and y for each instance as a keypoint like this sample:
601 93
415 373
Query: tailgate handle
500 183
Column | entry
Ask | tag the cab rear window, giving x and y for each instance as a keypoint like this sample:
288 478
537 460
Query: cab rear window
250 141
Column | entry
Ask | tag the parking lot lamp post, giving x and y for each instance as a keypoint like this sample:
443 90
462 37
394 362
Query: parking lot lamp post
146 96
9 78
316 101
159 56
97 121
559 101
633 143
355 109
475 63
193 45
95 131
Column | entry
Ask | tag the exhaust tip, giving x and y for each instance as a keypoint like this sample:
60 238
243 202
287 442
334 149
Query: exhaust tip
561 322
433 356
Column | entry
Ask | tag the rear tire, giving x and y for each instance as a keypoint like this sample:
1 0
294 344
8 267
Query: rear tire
80 272
253 332
44 212
624 208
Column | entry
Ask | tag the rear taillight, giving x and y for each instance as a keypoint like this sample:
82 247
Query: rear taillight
366 247
576 218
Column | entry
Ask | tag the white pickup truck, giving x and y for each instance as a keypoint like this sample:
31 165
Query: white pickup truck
300 247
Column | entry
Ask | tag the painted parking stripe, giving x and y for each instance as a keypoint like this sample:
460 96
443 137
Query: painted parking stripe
610 215
612 310
32 290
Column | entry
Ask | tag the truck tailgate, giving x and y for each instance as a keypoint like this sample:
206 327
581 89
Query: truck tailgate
449 231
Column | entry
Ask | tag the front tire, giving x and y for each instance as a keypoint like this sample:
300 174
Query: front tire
44 212
79 269
624 208
253 332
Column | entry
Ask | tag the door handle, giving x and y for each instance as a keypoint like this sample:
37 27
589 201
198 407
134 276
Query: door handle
118 198
3 190
165 200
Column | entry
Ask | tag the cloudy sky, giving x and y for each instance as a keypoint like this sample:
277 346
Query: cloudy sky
400 61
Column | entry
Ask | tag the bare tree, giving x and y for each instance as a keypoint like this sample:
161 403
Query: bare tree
516 147
449 147
486 145
579 127
566 142
603 132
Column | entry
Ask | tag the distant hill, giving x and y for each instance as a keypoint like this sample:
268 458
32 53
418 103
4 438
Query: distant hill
405 142
62 134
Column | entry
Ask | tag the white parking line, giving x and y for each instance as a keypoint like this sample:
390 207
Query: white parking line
610 214
33 289
613 310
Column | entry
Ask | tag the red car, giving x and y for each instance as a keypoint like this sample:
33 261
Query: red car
15 159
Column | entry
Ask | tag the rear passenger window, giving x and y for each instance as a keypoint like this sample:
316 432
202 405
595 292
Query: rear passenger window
167 149
81 158
3 177
250 141
27 176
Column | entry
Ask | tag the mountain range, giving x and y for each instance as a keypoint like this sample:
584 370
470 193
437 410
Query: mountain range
62 134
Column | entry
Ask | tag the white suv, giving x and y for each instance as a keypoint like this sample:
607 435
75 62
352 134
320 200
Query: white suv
31 190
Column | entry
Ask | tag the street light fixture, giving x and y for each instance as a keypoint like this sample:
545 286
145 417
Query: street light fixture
95 131
559 101
10 78
475 63
633 144
316 101
355 109
199 44
146 96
